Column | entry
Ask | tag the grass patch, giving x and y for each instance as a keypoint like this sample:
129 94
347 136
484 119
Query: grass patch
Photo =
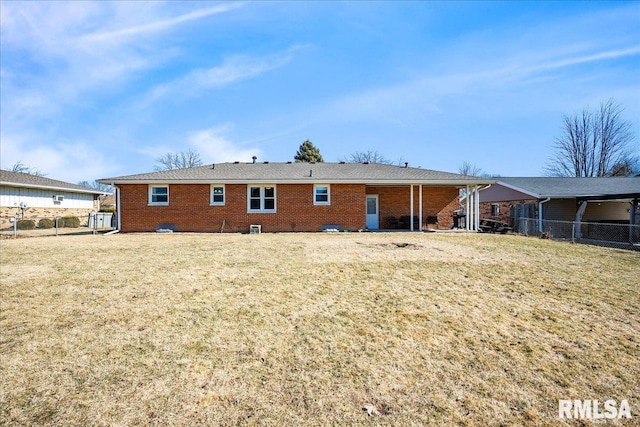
313 329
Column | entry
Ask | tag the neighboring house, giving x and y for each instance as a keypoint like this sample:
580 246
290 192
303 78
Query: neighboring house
42 197
607 200
230 197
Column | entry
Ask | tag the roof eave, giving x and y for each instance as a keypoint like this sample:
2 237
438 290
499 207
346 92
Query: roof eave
440 182
52 187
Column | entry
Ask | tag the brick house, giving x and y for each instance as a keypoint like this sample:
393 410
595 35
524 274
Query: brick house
43 197
285 197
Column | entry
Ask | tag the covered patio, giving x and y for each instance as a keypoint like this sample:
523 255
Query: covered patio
420 206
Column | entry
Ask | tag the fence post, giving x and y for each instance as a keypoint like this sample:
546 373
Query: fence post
57 225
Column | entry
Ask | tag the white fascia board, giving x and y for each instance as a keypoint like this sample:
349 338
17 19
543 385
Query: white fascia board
51 187
436 182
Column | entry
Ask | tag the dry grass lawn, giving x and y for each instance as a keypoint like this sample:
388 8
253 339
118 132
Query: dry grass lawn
309 329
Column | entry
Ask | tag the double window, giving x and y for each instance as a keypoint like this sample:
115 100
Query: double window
261 198
159 195
217 195
321 195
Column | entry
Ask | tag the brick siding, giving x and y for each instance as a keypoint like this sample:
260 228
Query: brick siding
189 208
503 210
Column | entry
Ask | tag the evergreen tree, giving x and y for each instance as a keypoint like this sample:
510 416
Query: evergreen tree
308 153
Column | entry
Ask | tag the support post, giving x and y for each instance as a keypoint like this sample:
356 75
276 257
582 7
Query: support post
466 208
476 199
420 207
411 210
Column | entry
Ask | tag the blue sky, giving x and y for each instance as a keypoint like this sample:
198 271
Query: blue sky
99 89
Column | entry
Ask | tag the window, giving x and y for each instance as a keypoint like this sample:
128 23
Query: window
262 199
158 194
217 195
495 209
321 195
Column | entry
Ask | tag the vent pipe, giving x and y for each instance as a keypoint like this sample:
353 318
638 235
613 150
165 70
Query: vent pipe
254 158
406 164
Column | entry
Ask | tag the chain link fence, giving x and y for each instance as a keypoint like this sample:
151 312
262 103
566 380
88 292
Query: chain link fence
59 225
602 234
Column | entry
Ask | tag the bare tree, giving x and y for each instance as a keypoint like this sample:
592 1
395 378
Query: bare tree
592 143
178 160
95 185
22 168
469 169
369 156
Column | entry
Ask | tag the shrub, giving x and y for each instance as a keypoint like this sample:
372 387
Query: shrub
46 223
26 224
69 222
108 209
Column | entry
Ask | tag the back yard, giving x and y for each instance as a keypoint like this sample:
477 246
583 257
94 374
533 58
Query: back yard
314 329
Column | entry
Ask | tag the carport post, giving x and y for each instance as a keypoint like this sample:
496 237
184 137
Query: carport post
420 207
411 209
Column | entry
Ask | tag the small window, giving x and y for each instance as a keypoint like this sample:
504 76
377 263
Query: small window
262 199
495 209
159 195
217 195
321 195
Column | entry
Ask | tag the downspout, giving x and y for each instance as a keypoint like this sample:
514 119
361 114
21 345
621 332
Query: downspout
118 217
540 215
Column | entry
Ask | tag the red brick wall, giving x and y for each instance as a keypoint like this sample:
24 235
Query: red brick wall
503 211
436 201
189 209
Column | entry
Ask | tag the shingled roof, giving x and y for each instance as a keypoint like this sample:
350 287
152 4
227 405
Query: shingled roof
276 173
543 187
19 179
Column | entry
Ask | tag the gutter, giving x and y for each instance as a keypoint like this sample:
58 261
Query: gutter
540 215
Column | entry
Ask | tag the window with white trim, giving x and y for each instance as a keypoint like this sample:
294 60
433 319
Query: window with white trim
321 195
159 195
217 195
495 209
261 198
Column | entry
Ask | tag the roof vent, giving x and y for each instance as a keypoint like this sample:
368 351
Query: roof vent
289 162
406 164
213 166
342 163
236 162
254 158
365 163
310 173
266 163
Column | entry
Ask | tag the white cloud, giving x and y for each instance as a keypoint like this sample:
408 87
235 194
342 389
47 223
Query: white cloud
160 25
214 147
234 68
66 161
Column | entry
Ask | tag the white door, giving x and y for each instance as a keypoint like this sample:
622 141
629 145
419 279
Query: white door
372 212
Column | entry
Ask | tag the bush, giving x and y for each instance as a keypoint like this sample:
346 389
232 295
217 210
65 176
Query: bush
69 222
108 209
46 223
26 224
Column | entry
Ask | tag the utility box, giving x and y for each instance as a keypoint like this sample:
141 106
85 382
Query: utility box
100 219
